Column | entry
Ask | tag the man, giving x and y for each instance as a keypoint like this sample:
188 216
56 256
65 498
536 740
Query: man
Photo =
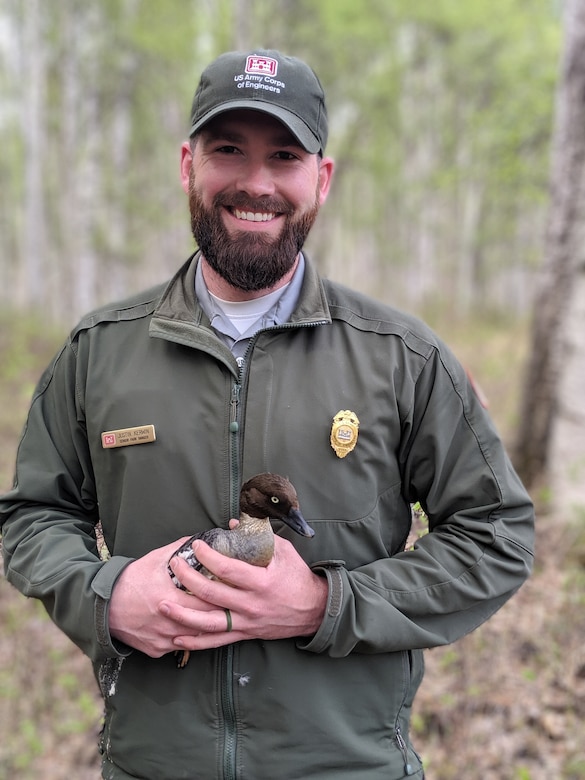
158 408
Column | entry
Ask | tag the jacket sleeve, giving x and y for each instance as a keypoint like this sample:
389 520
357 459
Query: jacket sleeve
48 519
480 547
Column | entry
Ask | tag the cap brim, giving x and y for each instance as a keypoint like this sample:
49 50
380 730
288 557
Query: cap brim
297 127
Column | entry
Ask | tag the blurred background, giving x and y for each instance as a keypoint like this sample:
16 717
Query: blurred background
458 130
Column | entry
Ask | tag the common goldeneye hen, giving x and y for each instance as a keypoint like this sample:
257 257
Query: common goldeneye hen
263 498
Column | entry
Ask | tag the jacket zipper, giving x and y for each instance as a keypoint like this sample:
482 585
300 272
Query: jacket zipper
403 749
229 714
227 652
400 741
234 445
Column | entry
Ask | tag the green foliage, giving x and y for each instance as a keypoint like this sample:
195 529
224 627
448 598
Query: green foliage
46 697
26 346
433 104
22 341
31 744
574 769
450 658
521 773
430 104
420 525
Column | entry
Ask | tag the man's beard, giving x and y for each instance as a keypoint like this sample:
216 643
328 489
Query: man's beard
248 260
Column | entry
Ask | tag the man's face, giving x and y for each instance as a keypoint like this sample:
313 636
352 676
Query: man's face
254 194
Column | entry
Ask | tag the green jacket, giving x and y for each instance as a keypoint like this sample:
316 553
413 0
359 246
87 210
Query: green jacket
335 705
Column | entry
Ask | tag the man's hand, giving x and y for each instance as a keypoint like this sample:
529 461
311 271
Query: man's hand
285 599
135 617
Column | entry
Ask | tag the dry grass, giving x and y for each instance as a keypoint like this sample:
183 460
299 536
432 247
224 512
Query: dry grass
508 701
505 703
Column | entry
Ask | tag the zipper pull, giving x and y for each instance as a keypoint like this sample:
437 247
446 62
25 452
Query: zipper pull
404 750
234 408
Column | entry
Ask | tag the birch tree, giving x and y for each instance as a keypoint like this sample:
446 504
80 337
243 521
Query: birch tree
568 436
31 285
548 351
81 154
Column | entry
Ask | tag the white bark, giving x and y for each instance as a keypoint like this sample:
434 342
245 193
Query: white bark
568 446
31 283
116 212
82 129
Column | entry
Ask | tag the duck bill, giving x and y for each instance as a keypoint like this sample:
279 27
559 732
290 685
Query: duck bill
298 523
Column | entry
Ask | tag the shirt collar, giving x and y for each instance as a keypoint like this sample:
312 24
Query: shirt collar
279 313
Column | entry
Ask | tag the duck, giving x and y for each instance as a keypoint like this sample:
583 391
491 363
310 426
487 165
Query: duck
264 497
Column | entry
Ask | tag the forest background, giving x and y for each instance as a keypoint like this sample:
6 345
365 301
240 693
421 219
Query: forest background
441 118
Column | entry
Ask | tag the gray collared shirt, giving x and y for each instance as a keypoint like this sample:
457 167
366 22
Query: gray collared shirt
278 313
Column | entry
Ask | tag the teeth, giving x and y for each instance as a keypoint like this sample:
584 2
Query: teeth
251 216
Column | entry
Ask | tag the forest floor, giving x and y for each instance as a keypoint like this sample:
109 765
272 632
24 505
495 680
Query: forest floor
506 702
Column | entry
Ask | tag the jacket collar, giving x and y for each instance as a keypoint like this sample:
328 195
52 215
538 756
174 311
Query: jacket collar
179 316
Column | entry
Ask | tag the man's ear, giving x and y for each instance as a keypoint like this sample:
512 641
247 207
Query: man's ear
326 168
186 162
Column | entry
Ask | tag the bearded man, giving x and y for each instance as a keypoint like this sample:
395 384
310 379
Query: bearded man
158 408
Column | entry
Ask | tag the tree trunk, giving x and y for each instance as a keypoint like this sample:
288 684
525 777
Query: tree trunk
31 282
120 138
568 440
546 358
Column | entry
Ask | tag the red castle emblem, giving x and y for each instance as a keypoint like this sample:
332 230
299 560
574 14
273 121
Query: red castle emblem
262 66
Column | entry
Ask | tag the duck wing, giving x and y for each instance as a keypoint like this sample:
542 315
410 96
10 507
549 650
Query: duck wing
185 551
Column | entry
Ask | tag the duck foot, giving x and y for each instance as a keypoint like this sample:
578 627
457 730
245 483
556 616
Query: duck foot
182 657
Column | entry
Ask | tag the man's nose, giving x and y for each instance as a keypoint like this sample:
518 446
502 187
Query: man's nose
256 180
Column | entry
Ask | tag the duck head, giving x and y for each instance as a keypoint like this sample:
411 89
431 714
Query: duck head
273 496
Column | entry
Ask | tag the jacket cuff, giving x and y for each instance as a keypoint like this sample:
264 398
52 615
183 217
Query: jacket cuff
332 570
103 585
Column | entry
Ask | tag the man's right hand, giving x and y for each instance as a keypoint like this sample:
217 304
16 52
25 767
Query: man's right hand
134 616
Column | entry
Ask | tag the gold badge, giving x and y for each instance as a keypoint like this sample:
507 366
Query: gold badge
125 437
344 432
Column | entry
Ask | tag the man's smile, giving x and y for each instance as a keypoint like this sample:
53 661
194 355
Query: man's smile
254 216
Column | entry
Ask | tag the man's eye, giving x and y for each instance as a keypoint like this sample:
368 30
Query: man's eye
285 156
227 149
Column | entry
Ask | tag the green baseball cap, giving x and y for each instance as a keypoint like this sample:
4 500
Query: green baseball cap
264 80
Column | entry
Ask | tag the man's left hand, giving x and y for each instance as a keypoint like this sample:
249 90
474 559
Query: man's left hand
283 600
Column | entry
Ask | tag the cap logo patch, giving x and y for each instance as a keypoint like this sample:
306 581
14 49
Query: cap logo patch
261 66
259 75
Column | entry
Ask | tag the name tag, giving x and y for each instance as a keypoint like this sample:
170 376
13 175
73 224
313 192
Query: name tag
125 437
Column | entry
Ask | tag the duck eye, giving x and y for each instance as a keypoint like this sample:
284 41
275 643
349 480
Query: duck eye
274 499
